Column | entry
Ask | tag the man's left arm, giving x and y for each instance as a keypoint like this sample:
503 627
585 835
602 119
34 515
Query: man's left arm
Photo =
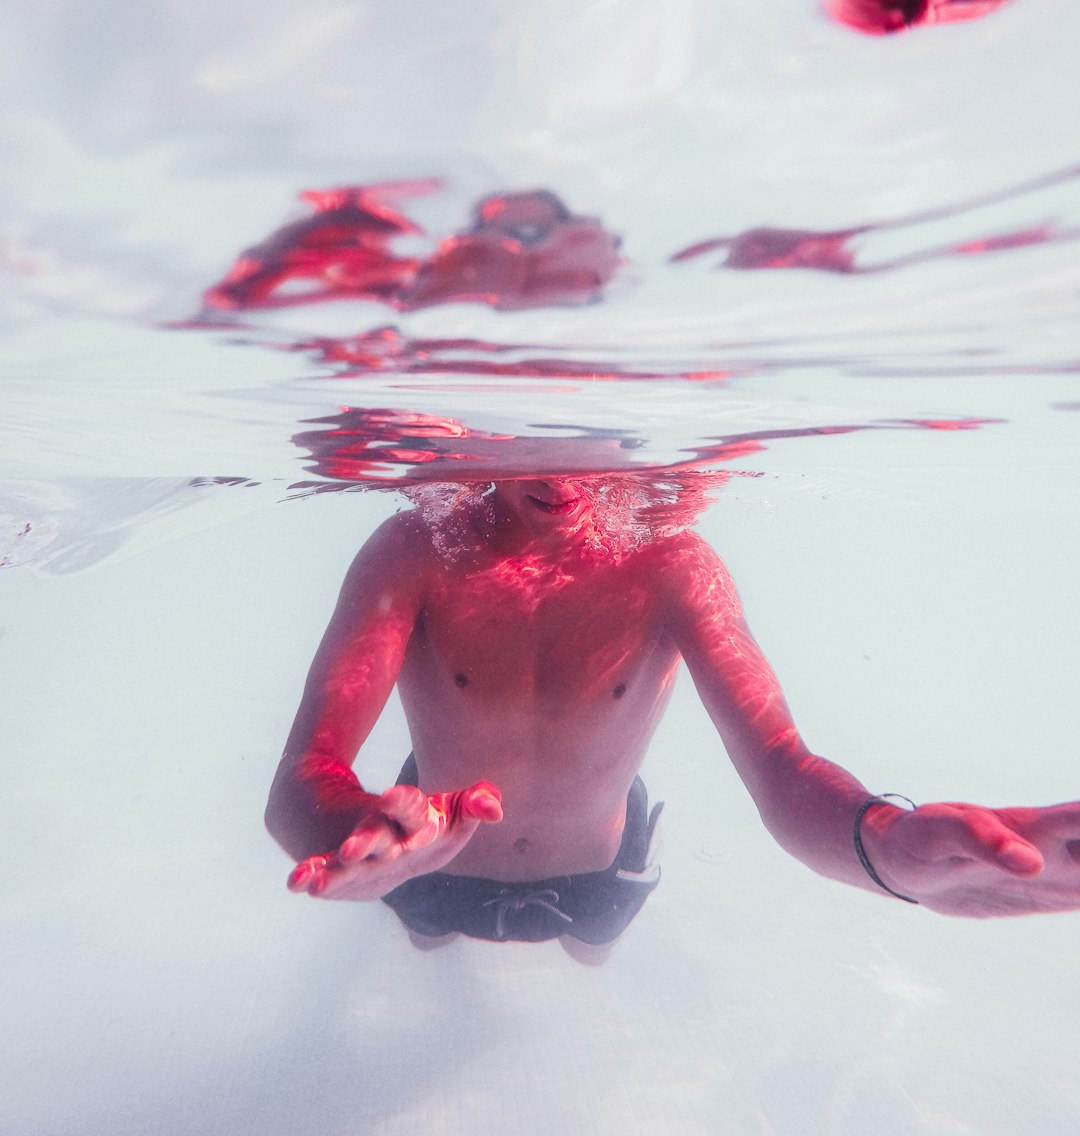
955 858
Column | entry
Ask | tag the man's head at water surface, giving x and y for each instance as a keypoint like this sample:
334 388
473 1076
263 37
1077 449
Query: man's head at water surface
613 513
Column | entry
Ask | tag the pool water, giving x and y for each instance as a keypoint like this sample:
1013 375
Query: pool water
891 382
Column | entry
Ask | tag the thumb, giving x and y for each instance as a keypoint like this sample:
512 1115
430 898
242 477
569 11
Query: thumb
482 802
991 840
1021 857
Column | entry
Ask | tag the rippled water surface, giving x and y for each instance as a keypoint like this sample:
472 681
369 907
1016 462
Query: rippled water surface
832 276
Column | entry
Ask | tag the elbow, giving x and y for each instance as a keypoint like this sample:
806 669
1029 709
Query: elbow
270 817
279 814
314 804
274 820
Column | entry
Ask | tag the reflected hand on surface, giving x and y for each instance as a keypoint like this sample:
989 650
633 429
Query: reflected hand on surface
410 833
961 859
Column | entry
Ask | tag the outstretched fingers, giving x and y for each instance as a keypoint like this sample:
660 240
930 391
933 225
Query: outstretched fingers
452 817
418 820
305 873
1055 827
405 804
981 835
315 874
367 844
412 833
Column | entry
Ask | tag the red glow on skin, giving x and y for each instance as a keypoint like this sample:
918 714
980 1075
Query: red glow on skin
523 250
884 17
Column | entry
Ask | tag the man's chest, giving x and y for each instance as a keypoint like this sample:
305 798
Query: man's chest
518 632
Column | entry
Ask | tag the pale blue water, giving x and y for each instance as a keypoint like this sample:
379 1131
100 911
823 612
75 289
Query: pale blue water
914 588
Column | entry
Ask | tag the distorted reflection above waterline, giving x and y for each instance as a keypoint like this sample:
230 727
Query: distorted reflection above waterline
845 250
522 250
364 445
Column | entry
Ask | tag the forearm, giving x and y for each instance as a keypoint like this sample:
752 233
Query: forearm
316 800
315 803
809 804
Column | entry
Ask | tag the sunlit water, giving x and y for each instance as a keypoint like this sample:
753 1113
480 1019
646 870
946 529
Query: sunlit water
901 421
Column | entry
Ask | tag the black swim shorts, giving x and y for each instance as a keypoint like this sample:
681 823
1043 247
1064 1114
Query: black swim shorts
595 907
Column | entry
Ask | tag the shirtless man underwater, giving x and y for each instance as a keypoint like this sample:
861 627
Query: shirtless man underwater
534 664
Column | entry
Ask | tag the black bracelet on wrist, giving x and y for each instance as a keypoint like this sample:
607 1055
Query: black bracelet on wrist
860 851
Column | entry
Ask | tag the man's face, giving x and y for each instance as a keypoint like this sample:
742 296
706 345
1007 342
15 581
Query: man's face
548 506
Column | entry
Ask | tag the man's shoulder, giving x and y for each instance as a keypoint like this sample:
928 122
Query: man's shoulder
406 532
688 574
677 554
400 550
391 570
414 543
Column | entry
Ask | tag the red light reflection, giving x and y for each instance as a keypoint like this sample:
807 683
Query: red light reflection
361 445
883 17
833 251
781 248
387 349
343 249
522 250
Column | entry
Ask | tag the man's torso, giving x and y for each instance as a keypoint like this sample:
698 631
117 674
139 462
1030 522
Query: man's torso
548 679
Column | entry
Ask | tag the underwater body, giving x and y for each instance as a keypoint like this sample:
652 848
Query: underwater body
823 279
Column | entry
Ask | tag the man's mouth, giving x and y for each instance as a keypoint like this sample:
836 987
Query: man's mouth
554 508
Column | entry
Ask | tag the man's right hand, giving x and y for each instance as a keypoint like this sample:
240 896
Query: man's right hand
407 834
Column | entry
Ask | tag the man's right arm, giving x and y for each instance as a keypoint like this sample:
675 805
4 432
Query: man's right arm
316 800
